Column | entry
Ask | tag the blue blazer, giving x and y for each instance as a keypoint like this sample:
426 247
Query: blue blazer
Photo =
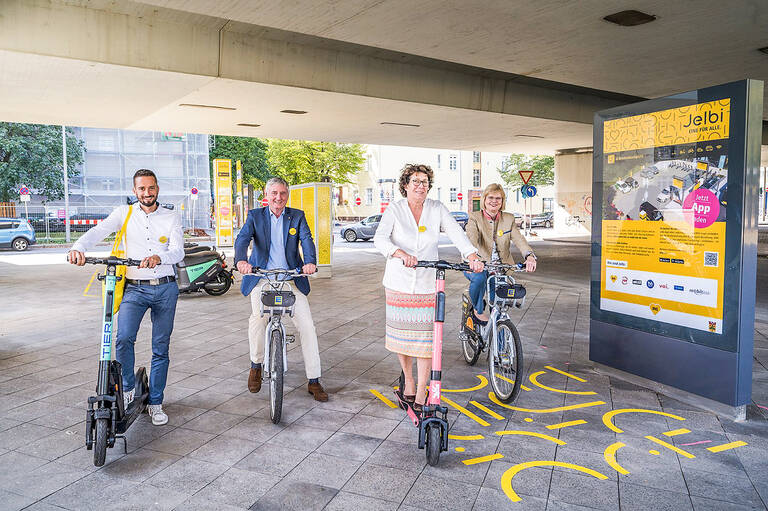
258 228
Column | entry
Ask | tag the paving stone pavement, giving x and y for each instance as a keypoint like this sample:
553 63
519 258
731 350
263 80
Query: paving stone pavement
221 451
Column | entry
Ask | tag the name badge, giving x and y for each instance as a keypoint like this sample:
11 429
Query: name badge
422 228
500 233
162 239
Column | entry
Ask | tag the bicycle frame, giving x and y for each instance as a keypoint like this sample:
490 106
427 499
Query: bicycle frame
498 307
275 321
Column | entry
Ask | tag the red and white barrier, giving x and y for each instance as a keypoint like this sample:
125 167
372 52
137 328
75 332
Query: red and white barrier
85 222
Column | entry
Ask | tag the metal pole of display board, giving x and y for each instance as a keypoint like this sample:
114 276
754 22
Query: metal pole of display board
66 184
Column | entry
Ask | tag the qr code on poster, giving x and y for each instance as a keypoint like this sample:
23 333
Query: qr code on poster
711 259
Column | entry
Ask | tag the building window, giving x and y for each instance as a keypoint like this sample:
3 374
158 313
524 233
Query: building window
368 196
476 156
547 204
452 162
453 194
476 178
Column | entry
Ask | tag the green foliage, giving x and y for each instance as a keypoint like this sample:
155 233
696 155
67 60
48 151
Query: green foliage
543 168
252 153
31 154
301 161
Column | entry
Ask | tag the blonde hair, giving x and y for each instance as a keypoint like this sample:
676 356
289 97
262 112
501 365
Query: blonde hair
493 187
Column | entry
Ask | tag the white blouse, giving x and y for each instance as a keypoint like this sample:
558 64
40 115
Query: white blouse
398 230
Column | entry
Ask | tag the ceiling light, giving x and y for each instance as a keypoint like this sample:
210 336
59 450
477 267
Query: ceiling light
630 18
529 136
764 50
248 124
208 106
296 112
401 124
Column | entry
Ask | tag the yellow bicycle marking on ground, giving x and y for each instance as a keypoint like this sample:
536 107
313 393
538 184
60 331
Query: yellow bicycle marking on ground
670 447
530 433
527 389
569 375
383 399
483 459
465 437
488 410
506 479
533 378
90 282
654 452
725 447
566 424
495 400
675 432
483 383
466 412
610 457
608 416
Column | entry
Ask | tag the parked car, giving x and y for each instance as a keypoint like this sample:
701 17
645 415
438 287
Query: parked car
543 220
518 219
632 182
649 212
38 221
16 233
664 196
623 186
461 217
363 230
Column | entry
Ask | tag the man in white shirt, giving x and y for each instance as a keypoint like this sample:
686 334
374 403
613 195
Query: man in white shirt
153 235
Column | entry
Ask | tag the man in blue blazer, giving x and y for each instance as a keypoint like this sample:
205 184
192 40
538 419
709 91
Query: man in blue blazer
276 232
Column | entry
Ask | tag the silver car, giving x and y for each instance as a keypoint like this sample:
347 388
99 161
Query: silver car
363 230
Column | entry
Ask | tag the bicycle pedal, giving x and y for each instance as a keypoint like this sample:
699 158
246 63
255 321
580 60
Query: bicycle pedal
290 338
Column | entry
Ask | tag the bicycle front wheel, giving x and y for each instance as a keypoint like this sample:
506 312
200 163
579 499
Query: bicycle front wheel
505 361
276 376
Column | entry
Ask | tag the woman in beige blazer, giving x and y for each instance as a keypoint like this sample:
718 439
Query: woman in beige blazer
493 231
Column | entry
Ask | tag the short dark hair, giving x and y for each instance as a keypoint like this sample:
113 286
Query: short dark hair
409 170
144 173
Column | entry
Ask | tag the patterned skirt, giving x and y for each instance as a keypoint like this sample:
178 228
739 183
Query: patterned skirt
410 323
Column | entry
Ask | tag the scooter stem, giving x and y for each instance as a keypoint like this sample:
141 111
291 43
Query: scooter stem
437 339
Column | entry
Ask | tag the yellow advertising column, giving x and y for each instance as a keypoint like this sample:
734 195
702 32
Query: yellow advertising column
315 200
222 178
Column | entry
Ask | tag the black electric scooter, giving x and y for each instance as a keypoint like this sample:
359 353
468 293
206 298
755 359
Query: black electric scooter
107 418
203 269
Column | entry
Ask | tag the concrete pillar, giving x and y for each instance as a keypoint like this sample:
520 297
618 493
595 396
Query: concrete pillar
573 191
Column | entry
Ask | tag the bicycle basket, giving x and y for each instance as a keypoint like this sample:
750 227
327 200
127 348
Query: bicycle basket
505 291
278 298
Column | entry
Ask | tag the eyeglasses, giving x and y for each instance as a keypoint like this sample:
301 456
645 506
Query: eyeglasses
418 182
493 199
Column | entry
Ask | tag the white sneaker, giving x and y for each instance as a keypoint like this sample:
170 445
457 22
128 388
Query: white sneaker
128 398
158 415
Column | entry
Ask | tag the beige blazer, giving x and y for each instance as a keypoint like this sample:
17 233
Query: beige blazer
480 232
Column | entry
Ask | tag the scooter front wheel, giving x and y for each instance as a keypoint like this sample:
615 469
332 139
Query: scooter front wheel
100 446
433 444
276 376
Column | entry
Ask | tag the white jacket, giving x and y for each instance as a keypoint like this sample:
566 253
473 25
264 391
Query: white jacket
398 230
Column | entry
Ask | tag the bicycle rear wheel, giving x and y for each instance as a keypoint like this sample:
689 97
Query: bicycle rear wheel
505 361
276 376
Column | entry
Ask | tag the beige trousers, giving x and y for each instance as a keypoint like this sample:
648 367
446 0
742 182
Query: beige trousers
302 320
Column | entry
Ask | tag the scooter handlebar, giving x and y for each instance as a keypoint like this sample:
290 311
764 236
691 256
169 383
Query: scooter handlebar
443 265
118 261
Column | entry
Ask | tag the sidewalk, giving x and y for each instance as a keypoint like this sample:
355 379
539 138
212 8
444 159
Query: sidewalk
574 439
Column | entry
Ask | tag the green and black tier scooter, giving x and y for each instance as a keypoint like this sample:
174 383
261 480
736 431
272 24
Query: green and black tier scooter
107 418
203 269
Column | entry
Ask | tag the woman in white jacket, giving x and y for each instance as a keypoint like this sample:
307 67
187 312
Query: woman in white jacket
409 231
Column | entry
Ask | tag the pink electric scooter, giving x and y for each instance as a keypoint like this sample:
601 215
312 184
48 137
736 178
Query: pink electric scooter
433 423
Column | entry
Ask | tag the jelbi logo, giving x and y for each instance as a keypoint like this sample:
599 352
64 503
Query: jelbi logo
655 308
613 278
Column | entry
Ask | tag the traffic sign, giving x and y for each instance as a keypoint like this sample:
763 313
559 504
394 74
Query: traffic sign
525 175
23 190
530 191
194 191
459 195
264 202
61 214
358 201
25 198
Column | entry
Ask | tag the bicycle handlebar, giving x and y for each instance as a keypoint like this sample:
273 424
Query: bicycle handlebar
519 267
443 265
264 272
112 260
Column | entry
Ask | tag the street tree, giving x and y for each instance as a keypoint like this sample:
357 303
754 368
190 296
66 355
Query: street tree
252 153
543 168
302 161
31 155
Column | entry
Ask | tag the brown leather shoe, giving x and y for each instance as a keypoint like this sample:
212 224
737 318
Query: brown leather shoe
254 380
317 391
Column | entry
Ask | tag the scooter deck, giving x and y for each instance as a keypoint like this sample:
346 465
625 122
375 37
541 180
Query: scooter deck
137 405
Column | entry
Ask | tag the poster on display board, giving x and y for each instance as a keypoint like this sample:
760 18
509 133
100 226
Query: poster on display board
674 244
222 178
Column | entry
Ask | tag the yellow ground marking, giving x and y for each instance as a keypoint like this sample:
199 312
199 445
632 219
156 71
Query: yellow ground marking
566 424
465 437
494 399
530 433
482 384
488 410
569 375
528 419
384 399
506 478
608 416
459 449
610 457
483 459
670 446
675 432
725 447
527 389
90 282
654 452
466 412
533 377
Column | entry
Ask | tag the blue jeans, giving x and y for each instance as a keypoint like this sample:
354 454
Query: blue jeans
477 285
161 300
